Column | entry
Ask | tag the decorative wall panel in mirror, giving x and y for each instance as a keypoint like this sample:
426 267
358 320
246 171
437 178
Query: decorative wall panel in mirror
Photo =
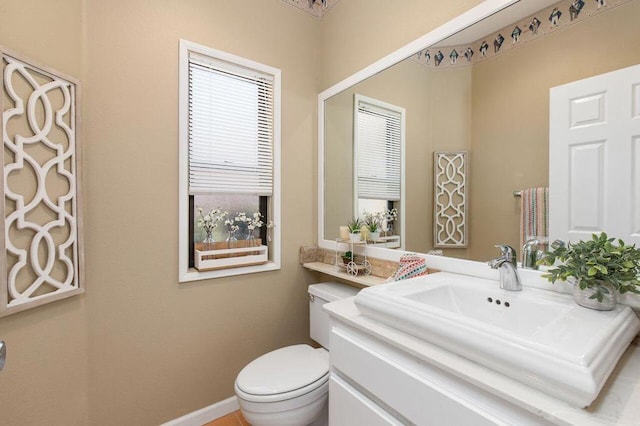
450 199
42 239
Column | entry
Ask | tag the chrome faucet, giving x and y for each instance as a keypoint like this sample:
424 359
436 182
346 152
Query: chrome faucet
507 266
532 251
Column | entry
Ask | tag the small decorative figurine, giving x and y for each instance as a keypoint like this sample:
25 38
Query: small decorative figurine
515 34
497 43
554 18
453 56
438 58
468 54
534 25
483 48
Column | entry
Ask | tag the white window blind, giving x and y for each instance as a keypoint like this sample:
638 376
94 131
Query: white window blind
230 128
378 156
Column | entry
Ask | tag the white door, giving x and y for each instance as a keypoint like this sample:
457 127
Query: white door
594 157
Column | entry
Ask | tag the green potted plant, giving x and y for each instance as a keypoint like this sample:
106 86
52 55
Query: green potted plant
354 226
374 231
599 268
372 224
347 257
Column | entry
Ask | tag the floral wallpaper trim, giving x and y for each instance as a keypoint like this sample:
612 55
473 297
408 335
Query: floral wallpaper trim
554 18
316 8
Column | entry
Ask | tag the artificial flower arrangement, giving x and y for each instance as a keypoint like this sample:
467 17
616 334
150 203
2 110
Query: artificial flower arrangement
231 253
209 221
382 220
246 224
390 217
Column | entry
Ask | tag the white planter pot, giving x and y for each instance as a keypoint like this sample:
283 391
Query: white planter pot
588 297
355 238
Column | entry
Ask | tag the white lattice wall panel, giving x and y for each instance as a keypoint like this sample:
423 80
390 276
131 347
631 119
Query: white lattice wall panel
450 196
42 250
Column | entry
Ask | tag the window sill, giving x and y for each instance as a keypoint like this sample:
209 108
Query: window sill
195 275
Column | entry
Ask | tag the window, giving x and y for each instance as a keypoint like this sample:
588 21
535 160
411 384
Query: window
378 145
229 155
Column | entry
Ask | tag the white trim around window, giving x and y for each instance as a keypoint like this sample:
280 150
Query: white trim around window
186 274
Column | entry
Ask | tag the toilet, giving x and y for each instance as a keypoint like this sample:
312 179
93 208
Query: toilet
290 386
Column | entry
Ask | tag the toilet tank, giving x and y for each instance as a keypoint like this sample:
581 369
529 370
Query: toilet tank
319 294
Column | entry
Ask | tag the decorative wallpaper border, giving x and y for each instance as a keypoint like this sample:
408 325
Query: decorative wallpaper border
316 8
547 21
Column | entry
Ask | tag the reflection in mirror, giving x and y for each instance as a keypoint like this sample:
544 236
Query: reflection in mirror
494 106
367 179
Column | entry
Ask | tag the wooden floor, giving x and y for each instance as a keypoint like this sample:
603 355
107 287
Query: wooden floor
233 419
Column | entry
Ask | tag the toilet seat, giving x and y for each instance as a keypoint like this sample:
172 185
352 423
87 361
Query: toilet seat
283 374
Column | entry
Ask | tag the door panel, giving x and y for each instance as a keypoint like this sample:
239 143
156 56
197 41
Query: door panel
594 169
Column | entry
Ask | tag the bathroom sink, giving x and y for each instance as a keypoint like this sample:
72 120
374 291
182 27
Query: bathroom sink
540 338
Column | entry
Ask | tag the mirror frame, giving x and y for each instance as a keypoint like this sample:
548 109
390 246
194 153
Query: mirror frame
459 23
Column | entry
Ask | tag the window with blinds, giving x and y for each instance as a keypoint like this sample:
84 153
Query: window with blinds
378 136
230 128
229 195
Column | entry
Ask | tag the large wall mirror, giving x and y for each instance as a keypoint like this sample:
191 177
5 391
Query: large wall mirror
491 101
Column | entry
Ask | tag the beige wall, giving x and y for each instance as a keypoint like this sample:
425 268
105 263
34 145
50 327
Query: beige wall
338 163
356 33
405 86
438 116
450 131
510 123
499 109
159 349
138 348
45 377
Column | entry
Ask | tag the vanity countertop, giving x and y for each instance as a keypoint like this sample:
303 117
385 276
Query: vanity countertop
617 403
334 271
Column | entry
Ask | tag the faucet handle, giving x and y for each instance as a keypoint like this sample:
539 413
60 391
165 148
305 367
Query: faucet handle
507 253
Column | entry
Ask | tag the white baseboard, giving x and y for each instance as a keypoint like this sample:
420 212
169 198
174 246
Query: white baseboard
206 414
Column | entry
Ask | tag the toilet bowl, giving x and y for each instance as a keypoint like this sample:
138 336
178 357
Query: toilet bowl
289 386
285 387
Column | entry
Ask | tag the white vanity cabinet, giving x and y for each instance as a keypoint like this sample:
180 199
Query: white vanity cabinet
375 383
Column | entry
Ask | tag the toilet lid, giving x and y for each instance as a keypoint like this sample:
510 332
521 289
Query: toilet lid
283 370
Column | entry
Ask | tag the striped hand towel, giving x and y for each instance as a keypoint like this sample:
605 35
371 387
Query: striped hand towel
534 214
411 266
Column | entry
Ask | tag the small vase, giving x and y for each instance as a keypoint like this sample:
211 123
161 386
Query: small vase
588 297
374 236
389 228
253 237
355 238
208 240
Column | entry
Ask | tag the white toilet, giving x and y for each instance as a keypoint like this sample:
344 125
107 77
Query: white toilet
290 386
